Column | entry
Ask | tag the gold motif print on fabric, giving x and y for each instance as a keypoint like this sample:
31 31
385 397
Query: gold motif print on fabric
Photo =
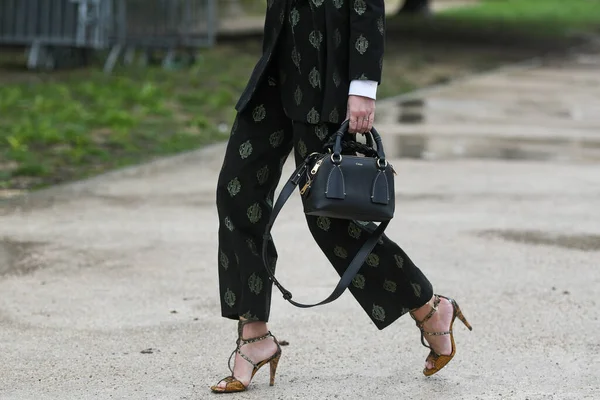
334 115
255 284
224 260
294 17
354 231
228 223
259 113
360 6
381 25
321 131
362 44
390 286
315 38
399 261
378 313
296 58
359 281
298 95
245 149
234 186
337 37
229 298
373 260
417 289
340 252
254 213
313 116
252 246
318 3
276 138
249 316
337 80
324 223
314 77
338 3
262 175
302 150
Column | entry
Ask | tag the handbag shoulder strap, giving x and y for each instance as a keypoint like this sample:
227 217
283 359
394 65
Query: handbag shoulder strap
354 265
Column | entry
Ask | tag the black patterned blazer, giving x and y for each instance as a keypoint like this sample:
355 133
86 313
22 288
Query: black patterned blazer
343 38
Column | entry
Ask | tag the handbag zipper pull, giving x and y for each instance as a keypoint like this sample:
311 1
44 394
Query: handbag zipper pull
314 170
305 187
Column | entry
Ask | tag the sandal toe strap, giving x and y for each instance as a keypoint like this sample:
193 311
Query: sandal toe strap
232 384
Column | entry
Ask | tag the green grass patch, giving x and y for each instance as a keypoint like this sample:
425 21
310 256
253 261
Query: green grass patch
536 17
67 125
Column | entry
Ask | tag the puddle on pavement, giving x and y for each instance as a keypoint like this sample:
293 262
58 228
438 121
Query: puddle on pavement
411 111
417 143
15 257
582 242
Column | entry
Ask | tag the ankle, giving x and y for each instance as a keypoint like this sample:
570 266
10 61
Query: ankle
422 312
254 329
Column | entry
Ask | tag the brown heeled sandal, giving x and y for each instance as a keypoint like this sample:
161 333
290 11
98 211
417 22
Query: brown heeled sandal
233 385
440 360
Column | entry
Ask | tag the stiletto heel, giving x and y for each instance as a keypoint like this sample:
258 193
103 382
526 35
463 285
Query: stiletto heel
440 360
234 385
273 364
462 318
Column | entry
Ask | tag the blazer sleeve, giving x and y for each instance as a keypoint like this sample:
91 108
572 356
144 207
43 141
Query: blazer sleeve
367 38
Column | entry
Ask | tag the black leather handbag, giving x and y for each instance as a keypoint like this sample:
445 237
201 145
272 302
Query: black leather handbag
338 183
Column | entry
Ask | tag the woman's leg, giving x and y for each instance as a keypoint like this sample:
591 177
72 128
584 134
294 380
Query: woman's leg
389 284
260 142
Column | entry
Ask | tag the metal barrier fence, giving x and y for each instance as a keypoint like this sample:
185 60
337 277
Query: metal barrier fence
48 26
162 24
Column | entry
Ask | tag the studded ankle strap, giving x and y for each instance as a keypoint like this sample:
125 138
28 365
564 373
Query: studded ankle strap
241 342
434 308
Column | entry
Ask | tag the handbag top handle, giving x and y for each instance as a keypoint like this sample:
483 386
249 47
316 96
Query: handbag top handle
337 147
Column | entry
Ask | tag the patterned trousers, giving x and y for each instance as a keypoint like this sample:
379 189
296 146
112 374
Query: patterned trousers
387 286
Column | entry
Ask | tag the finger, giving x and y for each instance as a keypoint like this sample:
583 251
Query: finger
358 124
353 124
363 124
371 121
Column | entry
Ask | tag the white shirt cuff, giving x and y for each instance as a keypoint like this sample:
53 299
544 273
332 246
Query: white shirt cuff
363 88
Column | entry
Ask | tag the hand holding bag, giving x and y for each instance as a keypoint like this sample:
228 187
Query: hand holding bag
336 184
